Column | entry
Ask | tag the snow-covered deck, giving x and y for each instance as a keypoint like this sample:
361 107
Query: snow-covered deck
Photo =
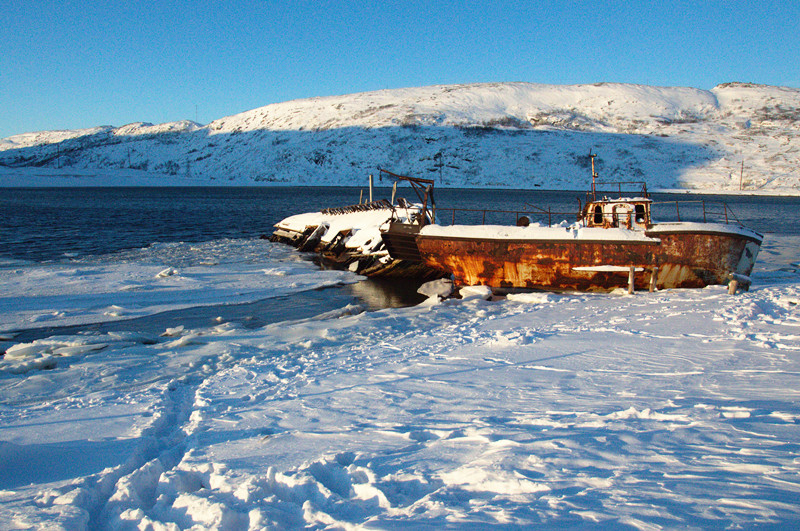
719 228
536 232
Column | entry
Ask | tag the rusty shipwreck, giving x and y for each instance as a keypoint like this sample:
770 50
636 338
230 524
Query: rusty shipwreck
613 244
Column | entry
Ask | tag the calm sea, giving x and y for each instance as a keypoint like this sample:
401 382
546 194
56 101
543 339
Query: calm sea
43 224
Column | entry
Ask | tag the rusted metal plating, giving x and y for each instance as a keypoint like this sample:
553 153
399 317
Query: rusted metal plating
674 260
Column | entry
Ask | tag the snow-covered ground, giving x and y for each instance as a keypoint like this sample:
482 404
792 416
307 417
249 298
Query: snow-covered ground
517 135
676 409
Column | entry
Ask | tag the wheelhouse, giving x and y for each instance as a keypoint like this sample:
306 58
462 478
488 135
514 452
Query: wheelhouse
622 213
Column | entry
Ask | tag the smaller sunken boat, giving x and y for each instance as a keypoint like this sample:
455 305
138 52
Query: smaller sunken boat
349 237
614 244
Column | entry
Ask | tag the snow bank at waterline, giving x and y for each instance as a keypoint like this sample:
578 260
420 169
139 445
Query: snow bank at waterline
659 410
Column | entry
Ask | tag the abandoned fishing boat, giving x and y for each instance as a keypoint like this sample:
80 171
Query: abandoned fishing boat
349 237
613 244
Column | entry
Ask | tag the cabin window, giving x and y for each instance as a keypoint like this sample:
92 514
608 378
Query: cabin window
640 214
598 215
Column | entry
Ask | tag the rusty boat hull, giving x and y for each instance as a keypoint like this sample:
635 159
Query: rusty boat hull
668 255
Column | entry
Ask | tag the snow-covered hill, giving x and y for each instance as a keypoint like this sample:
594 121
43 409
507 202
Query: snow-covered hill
519 135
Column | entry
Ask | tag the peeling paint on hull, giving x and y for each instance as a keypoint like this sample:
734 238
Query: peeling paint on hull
681 259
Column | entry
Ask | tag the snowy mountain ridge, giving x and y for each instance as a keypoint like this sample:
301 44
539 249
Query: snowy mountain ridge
520 135
470 105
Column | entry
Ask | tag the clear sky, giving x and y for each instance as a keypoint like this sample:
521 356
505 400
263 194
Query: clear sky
75 64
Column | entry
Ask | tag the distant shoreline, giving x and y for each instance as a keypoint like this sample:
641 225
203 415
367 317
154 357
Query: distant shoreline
86 178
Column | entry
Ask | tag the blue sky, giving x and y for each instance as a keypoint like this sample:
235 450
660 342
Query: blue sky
74 64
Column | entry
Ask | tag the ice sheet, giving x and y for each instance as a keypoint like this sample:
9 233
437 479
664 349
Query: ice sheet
160 278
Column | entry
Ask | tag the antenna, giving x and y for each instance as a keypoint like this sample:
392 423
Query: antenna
594 173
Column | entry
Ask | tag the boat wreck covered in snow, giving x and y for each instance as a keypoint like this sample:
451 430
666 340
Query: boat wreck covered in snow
613 244
350 237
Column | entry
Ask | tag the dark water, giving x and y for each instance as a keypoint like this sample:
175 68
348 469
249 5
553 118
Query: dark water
52 223
47 224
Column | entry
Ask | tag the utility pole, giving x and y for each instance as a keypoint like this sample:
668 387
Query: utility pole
439 159
741 177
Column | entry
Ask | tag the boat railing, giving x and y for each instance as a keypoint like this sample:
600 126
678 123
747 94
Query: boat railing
480 216
680 210
707 211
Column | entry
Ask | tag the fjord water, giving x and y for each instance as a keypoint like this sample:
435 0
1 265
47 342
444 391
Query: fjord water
45 224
